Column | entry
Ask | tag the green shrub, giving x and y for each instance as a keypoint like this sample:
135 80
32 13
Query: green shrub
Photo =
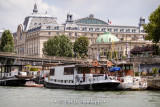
136 73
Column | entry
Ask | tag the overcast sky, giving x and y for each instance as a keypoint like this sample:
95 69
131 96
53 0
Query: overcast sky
120 12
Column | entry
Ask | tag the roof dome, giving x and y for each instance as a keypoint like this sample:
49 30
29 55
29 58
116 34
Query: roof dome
106 38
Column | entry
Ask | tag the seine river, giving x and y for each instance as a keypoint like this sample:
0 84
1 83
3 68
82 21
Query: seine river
43 97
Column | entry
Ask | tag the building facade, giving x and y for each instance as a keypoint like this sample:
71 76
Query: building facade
38 28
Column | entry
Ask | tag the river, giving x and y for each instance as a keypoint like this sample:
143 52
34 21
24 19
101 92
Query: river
43 97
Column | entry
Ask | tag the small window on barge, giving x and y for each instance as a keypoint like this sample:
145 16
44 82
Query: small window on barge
52 71
68 71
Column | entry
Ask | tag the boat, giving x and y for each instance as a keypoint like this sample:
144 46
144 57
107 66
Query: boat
80 77
7 75
133 83
129 81
23 77
33 84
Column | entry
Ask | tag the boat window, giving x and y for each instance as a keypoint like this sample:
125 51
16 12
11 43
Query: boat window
80 71
92 70
68 71
98 70
127 67
131 67
52 72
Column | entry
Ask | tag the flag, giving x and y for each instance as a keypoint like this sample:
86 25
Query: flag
109 22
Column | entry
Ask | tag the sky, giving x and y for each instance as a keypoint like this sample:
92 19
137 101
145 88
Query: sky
119 12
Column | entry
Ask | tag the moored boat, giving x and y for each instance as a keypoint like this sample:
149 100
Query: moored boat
81 77
33 84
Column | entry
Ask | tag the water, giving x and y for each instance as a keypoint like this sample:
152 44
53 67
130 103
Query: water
43 97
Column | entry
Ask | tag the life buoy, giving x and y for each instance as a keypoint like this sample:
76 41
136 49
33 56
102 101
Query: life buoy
95 63
109 64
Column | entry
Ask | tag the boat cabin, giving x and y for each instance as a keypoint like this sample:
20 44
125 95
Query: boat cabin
7 71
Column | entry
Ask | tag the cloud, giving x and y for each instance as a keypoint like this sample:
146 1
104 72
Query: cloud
120 12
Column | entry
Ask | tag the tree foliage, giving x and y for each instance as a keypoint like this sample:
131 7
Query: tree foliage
153 27
7 44
81 46
58 46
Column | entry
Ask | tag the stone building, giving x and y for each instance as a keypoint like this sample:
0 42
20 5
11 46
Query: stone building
110 43
38 28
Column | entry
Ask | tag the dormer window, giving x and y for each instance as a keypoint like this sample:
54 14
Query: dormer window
122 30
115 30
56 28
110 30
128 30
97 29
48 27
68 28
134 30
84 29
90 29
103 29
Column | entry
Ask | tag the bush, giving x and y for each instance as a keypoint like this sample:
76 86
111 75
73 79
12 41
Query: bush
33 69
136 73
155 70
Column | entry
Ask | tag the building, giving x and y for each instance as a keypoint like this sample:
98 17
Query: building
38 28
108 43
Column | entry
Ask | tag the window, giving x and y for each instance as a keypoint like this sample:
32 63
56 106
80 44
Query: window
128 30
52 71
56 28
142 31
115 30
81 70
103 29
97 35
134 30
85 34
75 34
90 29
91 34
48 27
84 29
122 30
97 29
49 33
110 30
68 71
70 34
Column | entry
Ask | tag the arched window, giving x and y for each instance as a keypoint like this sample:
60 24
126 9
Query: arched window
97 29
110 29
84 29
90 29
103 30
128 30
122 30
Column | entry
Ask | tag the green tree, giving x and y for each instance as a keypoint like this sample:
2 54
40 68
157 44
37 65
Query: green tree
58 46
7 44
153 27
81 46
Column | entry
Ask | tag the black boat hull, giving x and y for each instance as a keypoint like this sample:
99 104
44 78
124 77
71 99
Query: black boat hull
94 86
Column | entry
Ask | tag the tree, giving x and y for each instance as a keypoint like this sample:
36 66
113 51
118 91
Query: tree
81 46
7 44
58 46
152 28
